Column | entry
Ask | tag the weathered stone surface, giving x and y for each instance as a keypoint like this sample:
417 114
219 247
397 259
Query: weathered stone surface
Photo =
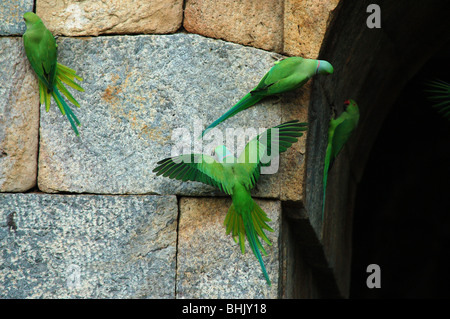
75 18
87 246
210 264
292 163
305 24
140 92
19 118
258 23
11 14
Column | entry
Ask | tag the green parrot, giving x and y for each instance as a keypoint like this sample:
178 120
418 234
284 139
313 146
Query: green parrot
440 96
286 75
339 131
236 177
40 48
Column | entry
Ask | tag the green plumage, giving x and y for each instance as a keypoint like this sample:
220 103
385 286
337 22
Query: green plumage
236 177
440 97
339 131
41 50
286 75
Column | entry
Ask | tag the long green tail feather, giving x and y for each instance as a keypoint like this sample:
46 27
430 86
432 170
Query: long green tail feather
259 221
42 91
65 109
44 95
66 92
68 71
255 245
65 75
69 80
250 225
247 101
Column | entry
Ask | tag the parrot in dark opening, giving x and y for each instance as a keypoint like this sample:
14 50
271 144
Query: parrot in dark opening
339 131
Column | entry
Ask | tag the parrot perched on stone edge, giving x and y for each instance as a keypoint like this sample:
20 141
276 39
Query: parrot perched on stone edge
339 131
236 177
440 96
40 48
286 75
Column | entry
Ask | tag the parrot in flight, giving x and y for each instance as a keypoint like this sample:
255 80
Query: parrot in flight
236 177
286 75
440 95
339 131
40 48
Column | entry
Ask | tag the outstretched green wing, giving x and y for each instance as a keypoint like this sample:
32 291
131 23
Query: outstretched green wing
265 147
199 168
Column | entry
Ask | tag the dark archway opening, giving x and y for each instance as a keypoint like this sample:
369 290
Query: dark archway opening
402 208
375 67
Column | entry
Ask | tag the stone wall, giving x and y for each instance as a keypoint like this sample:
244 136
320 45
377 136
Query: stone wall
86 217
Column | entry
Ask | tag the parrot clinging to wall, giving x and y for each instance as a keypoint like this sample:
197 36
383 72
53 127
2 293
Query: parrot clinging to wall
236 177
286 75
339 131
40 48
